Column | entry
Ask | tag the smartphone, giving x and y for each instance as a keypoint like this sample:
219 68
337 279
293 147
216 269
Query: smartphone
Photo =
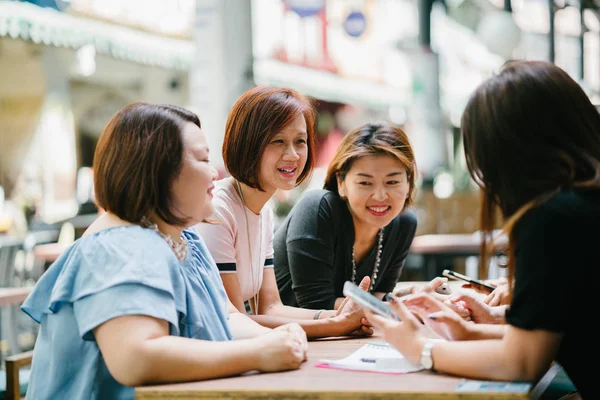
367 300
475 282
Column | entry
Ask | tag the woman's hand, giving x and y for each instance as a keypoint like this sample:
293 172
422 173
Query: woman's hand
478 310
439 317
429 287
407 335
297 330
353 323
405 290
499 296
284 348
348 305
351 317
437 287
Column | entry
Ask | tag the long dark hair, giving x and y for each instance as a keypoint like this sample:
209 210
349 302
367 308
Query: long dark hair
528 132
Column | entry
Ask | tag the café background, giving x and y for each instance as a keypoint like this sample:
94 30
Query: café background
67 66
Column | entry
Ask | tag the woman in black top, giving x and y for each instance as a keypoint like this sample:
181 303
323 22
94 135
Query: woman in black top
532 143
359 225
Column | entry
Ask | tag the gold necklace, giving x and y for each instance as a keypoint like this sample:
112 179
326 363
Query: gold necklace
179 248
256 295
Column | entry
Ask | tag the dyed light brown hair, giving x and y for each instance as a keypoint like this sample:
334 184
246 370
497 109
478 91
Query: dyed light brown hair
257 116
372 139
528 132
138 156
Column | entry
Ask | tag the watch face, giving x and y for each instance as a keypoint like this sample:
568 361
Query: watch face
426 362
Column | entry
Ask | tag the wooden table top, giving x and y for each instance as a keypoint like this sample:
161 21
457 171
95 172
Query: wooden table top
311 382
14 295
457 243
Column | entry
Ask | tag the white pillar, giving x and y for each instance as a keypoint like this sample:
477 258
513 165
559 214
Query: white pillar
56 131
222 66
425 120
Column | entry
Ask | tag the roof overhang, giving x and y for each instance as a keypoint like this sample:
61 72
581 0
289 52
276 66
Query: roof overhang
328 86
50 27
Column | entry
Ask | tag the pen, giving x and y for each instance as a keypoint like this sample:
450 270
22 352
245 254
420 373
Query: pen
368 360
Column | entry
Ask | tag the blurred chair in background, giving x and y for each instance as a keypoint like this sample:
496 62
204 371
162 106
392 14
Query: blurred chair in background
20 268
10 247
12 219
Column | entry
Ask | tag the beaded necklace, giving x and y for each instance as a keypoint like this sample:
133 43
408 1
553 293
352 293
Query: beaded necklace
179 248
375 266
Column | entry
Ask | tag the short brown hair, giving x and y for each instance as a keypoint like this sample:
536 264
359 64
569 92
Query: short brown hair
138 156
257 116
372 139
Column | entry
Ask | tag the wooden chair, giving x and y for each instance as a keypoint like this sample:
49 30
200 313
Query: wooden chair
8 315
9 248
35 267
15 390
555 384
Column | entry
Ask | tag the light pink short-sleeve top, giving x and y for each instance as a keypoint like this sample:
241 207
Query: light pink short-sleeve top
228 241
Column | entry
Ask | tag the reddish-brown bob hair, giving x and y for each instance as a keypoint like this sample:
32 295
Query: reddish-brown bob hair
138 156
257 116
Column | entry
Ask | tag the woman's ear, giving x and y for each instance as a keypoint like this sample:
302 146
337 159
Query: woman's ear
341 186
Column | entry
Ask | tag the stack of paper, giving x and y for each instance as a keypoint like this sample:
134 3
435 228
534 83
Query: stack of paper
374 357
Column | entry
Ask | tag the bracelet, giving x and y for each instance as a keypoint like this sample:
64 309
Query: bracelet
317 314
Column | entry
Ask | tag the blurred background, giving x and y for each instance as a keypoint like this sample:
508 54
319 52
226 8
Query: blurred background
66 66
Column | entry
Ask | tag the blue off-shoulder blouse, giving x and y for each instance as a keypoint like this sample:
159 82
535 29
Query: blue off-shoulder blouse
118 271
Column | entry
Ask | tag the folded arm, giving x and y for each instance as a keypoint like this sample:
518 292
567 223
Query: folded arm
273 313
138 350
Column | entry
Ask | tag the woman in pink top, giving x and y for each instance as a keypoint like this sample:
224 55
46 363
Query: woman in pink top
268 145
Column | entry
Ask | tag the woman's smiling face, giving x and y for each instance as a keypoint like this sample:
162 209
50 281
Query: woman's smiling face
375 188
284 158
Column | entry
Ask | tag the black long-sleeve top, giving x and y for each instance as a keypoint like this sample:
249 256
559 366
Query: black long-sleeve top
313 251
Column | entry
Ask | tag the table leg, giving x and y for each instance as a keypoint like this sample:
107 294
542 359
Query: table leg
431 266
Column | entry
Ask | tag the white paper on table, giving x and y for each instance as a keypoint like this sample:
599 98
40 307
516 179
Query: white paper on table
381 358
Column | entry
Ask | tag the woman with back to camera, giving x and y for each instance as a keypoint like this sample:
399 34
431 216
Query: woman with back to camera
532 143
138 299
268 146
360 225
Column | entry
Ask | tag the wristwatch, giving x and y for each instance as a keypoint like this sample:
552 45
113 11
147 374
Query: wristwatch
426 360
